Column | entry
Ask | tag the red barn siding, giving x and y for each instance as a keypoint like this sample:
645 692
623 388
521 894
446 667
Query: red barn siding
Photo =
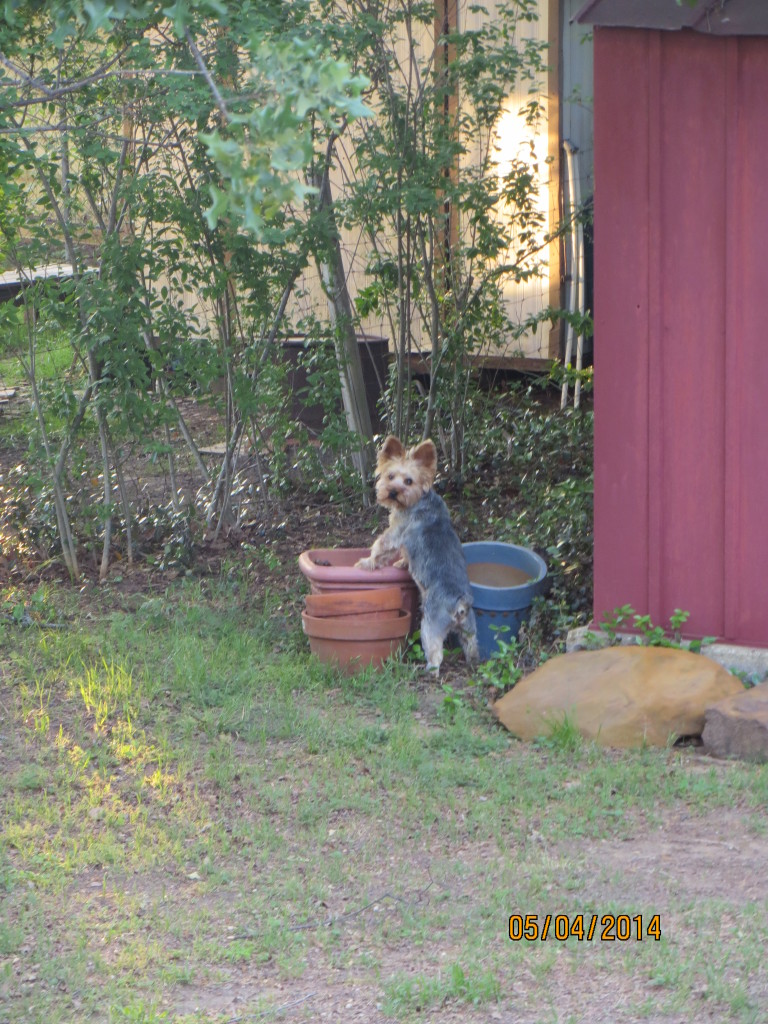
746 380
681 264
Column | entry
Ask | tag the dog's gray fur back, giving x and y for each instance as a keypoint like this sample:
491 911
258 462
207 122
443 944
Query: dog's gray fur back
434 552
437 564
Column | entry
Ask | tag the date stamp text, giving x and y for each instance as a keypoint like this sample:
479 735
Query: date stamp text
584 927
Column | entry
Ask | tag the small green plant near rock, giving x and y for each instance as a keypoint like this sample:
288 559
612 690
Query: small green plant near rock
625 618
749 679
538 639
452 704
563 737
502 669
656 636
613 622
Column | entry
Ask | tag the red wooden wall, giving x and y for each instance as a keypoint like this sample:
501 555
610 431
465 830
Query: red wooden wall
681 329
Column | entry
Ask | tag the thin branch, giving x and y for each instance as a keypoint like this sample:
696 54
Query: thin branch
23 78
207 75
274 1009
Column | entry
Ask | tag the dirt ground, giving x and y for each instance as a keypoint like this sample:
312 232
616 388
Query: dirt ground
679 863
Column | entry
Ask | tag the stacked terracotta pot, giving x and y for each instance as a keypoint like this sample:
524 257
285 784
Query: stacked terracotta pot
354 618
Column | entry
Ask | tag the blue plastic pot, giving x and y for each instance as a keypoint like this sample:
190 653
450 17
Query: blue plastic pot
500 611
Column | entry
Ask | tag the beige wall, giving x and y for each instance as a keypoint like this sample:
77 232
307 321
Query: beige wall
523 299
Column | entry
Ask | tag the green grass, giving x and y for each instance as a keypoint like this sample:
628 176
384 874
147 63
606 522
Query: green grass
53 357
200 823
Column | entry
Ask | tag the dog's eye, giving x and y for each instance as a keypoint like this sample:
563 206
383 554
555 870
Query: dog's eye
390 476
407 481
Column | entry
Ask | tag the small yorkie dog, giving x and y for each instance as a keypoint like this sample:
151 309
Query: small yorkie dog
420 538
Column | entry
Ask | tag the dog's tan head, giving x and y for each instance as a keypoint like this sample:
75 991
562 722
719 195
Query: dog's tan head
404 476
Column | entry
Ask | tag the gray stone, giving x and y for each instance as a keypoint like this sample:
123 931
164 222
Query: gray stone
738 726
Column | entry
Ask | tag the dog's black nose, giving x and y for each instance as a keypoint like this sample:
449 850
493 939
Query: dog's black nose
393 495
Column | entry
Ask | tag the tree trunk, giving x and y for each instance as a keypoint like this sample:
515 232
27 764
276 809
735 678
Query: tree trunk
333 275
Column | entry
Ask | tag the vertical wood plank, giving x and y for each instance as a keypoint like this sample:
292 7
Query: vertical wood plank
687 472
746 451
657 424
621 319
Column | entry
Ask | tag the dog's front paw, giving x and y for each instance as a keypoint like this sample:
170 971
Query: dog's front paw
366 563
401 563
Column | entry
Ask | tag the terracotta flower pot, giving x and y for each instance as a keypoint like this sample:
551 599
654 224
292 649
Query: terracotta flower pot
385 601
331 570
354 642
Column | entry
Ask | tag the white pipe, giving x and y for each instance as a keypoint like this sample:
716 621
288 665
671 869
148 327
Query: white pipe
571 283
580 283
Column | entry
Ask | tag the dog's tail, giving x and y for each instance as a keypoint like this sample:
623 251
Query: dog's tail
461 611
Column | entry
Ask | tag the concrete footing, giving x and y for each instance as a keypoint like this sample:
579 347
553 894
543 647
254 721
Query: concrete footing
749 662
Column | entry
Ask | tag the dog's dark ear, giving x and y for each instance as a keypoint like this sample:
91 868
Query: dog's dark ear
391 449
426 455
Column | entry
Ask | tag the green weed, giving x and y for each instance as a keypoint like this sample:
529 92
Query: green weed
502 670
563 736
421 992
625 618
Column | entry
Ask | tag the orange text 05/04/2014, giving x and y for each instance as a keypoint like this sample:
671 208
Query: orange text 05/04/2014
584 927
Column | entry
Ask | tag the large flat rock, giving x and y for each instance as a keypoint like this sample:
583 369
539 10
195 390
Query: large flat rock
738 726
619 696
